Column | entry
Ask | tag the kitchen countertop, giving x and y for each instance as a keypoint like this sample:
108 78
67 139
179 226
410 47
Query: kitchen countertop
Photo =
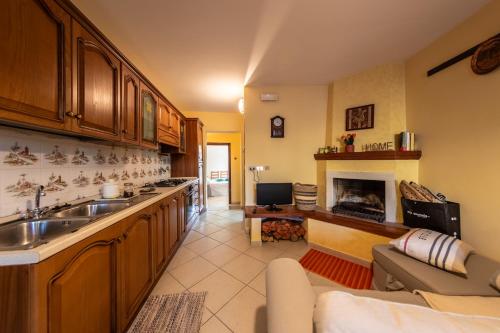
39 253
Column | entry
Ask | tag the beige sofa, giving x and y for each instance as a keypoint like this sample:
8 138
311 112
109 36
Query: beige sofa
291 297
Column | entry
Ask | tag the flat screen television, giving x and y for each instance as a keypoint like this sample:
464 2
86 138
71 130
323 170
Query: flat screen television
272 194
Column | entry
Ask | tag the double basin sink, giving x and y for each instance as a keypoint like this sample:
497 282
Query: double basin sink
27 234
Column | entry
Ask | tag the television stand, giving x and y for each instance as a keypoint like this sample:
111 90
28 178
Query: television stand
273 208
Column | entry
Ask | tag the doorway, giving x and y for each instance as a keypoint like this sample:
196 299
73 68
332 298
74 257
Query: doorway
218 176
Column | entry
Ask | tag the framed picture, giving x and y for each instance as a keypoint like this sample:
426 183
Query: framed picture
360 117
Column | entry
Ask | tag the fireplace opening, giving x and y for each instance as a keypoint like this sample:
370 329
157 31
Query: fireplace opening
360 197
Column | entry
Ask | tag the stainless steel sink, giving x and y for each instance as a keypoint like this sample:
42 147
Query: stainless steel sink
28 234
91 209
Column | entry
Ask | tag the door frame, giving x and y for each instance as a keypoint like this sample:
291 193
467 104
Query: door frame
228 144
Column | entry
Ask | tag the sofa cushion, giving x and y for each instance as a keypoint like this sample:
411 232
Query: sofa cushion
434 248
416 275
394 296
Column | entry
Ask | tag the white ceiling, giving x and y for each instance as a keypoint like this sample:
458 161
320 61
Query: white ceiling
201 53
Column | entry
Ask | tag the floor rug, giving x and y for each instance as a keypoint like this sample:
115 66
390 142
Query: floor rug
179 313
339 270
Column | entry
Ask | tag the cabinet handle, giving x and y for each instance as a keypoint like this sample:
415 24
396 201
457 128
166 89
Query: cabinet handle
124 131
70 113
119 239
163 206
78 116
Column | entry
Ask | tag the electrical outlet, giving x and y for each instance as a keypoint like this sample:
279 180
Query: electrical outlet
258 168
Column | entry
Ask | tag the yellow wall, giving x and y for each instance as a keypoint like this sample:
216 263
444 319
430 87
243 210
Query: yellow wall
218 121
290 158
235 140
352 242
456 115
383 86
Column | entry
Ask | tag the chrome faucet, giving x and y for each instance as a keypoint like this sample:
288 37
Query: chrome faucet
37 212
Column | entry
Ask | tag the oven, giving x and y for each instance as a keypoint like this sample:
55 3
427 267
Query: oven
192 202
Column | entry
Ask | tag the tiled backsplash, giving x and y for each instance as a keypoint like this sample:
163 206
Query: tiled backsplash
68 168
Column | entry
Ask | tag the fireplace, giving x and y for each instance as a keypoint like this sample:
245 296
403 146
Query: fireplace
369 195
360 197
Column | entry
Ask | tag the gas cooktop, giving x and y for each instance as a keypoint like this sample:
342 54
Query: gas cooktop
173 182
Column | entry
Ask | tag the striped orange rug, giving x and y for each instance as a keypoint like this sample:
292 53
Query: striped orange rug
339 270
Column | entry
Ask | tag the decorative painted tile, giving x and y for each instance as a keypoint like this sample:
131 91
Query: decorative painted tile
125 157
113 158
142 173
143 159
55 183
20 156
135 174
80 157
135 159
99 157
114 176
56 156
81 180
98 178
23 187
125 175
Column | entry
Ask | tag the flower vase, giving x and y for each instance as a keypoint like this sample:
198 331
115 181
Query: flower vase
349 148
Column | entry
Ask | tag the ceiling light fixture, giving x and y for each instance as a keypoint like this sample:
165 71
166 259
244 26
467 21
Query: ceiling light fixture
241 105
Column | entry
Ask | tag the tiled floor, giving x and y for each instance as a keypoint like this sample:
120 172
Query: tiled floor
216 256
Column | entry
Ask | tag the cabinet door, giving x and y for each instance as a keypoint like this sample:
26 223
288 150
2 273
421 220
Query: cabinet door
130 106
175 123
135 264
35 66
173 222
163 115
160 236
81 297
96 73
182 213
182 136
149 106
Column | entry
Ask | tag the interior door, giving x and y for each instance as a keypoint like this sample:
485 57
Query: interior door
35 65
95 87
130 106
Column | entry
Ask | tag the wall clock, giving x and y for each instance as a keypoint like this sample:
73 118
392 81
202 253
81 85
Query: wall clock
277 127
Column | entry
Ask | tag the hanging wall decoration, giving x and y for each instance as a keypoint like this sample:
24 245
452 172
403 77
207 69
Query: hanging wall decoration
360 117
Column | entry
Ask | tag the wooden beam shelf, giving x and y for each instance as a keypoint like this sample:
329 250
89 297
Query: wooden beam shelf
387 229
371 155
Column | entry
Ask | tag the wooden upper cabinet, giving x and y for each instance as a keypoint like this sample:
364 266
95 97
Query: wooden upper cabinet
149 109
35 65
175 119
130 106
96 75
163 115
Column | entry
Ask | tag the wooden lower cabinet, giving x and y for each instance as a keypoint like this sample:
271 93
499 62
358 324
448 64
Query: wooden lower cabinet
136 270
75 290
98 284
173 215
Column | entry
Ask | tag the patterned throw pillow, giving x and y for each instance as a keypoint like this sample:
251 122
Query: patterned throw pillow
434 248
495 280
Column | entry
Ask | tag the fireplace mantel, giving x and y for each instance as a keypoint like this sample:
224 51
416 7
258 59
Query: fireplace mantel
371 155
